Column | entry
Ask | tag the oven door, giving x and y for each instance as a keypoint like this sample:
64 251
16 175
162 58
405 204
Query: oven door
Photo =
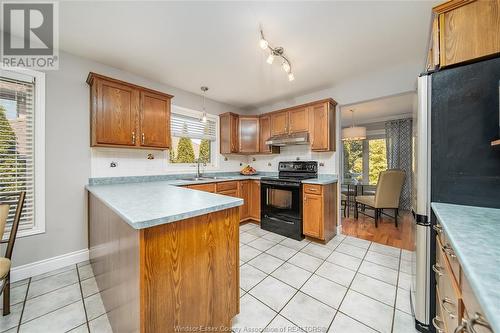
281 208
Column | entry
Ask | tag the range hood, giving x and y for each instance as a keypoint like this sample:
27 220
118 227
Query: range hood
289 139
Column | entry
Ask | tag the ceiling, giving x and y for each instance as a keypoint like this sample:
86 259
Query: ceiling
190 44
378 110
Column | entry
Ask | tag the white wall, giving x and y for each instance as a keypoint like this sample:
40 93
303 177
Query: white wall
68 155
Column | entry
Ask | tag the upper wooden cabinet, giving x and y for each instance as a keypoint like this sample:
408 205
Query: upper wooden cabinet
322 126
298 120
264 135
464 30
248 134
229 124
126 115
279 123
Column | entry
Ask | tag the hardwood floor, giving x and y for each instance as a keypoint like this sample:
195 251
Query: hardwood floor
386 233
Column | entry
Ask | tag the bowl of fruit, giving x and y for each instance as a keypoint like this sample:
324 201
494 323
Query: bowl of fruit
248 171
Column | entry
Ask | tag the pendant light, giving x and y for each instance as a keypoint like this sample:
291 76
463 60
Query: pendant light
353 132
204 116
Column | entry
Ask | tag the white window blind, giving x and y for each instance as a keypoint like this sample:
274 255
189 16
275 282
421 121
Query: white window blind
17 146
192 127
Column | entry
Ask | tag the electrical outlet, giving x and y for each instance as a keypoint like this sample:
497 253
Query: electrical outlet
321 164
113 164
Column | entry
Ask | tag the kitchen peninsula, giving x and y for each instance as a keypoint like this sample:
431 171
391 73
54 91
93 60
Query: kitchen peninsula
164 257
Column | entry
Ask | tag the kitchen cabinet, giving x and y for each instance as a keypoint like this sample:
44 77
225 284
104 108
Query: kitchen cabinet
244 193
254 200
264 135
298 120
127 115
322 126
229 133
209 187
464 31
248 134
319 211
279 123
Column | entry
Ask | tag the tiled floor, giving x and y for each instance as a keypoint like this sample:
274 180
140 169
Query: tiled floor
64 300
349 285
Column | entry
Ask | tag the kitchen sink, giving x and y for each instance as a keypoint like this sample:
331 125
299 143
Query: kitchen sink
192 179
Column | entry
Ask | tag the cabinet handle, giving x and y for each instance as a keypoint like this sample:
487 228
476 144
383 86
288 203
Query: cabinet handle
448 311
438 228
437 269
143 138
437 326
133 138
462 327
479 320
449 251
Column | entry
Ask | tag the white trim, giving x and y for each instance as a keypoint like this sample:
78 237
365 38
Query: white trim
47 265
39 148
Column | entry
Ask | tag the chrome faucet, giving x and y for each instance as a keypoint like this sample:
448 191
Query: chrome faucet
198 173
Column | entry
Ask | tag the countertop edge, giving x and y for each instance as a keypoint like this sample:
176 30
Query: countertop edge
481 295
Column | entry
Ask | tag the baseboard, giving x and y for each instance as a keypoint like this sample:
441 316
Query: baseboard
339 229
43 266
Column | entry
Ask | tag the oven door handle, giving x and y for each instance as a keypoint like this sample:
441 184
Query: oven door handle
278 220
291 185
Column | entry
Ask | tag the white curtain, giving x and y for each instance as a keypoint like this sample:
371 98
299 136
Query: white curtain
399 154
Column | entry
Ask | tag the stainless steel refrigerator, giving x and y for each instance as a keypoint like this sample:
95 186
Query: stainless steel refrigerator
454 123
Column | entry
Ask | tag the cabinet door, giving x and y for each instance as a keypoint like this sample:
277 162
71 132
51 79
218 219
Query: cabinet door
254 200
116 112
264 135
244 193
155 120
249 135
203 187
320 136
313 215
228 133
298 120
279 123
469 32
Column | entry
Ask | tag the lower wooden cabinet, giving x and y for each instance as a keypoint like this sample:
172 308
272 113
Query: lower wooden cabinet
210 187
254 200
319 211
244 193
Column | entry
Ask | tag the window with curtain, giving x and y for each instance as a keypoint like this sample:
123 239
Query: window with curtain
364 159
192 139
19 145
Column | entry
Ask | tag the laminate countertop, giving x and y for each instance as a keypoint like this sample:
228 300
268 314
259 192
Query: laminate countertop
473 233
145 205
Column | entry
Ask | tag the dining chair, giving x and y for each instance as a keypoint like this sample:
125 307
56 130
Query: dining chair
343 201
5 262
387 194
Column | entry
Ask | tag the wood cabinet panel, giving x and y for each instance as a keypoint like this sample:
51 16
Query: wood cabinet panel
227 186
244 193
229 132
469 31
248 134
279 123
155 120
203 187
115 114
264 135
254 200
298 120
230 193
320 134
313 215
313 188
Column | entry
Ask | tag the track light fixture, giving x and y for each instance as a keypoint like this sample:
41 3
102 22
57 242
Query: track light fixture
276 52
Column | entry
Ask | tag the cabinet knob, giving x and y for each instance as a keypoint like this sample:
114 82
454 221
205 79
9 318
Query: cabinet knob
450 312
437 269
479 320
438 324
133 138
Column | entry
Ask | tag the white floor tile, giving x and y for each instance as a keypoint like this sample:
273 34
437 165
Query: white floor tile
17 294
379 272
80 329
386 249
370 312
404 281
291 274
94 306
345 324
85 272
324 290
12 319
274 237
266 262
245 237
41 305
362 243
308 313
405 266
248 226
89 287
253 316
53 272
403 323
351 250
336 273
403 301
250 276
280 324
258 232
382 259
248 253
282 252
261 244
100 325
305 261
61 320
317 251
273 293
344 260
53 282
374 288
294 244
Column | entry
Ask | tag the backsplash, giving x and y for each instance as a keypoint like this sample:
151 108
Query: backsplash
135 162
326 160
